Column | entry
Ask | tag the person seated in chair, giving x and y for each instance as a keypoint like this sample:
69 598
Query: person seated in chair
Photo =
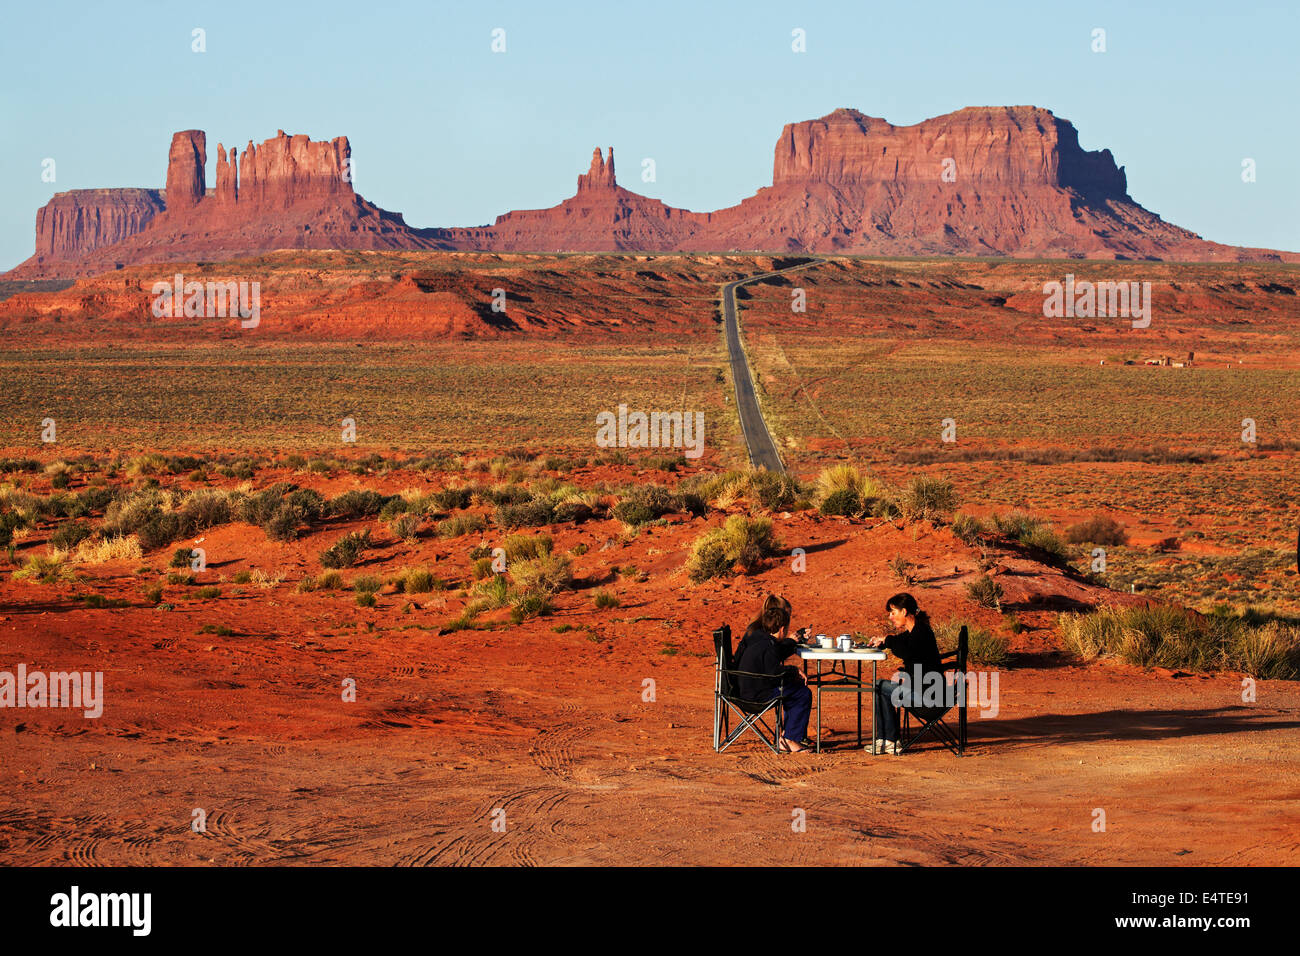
763 650
915 645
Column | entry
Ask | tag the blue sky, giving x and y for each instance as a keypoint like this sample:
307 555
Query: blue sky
450 134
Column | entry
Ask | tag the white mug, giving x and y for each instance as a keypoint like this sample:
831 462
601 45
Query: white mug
845 643
823 640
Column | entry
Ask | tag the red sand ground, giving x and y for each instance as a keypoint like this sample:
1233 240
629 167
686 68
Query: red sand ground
552 727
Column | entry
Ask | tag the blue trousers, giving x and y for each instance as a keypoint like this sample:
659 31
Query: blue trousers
796 698
886 712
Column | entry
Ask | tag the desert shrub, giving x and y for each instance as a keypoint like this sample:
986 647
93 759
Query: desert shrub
307 584
367 583
573 506
634 513
310 505
405 527
115 548
345 552
209 591
709 557
482 568
968 529
508 494
927 498
1160 635
418 581
356 504
243 576
451 499
205 508
44 569
160 531
985 592
604 599
749 539
843 501
984 648
153 593
285 523
776 491
1099 529
461 524
579 549
531 604
549 573
525 514
1031 532
181 557
902 569
366 599
258 508
641 504
495 591
744 541
330 581
131 511
521 547
68 536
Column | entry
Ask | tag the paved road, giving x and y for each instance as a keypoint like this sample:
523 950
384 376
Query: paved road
758 441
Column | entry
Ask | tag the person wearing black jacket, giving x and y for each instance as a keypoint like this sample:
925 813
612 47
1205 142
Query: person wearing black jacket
761 651
916 647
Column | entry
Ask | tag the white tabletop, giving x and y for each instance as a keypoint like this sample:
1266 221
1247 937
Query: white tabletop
834 654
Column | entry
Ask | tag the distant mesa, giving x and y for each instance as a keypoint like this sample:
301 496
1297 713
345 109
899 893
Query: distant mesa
983 181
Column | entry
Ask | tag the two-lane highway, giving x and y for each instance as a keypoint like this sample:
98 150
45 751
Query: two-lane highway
758 440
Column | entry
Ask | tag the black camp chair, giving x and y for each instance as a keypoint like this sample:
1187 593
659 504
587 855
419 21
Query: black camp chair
931 718
726 700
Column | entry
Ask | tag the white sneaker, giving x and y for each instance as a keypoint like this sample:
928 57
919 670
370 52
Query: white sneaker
880 746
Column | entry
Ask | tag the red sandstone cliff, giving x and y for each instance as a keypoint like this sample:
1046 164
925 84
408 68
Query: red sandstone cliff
76 222
990 181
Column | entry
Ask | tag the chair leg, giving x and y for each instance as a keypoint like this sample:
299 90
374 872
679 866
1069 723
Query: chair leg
753 722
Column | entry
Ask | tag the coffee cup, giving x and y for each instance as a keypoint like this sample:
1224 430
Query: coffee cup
823 640
845 643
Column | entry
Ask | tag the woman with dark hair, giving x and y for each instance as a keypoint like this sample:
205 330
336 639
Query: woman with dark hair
762 651
915 645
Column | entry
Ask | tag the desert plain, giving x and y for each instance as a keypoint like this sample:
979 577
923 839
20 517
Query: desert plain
412 705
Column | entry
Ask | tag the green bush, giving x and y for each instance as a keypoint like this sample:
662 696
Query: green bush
985 592
983 647
843 501
968 529
461 524
525 514
1099 529
405 527
367 583
68 536
357 504
521 547
345 552
1175 637
451 499
744 541
605 599
927 499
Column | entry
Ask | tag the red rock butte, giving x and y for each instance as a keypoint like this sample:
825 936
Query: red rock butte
983 181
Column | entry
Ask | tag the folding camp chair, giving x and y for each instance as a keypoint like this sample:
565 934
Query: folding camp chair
727 700
931 718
